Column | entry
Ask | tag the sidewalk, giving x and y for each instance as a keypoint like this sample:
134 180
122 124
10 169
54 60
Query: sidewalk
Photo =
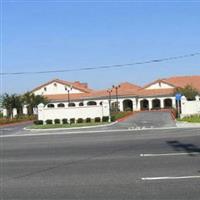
187 125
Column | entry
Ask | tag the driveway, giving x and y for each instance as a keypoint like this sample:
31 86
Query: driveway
148 119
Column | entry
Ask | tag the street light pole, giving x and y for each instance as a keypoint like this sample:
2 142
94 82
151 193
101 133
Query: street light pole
109 101
116 90
68 91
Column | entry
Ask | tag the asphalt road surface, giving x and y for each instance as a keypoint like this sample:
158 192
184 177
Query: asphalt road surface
148 119
148 164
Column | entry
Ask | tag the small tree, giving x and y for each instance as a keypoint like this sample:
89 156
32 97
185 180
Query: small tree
188 91
12 101
32 101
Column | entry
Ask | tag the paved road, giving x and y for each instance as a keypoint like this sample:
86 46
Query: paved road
102 166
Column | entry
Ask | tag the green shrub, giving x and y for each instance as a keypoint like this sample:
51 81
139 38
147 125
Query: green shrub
88 120
118 115
57 121
97 119
72 120
79 120
49 121
105 119
64 121
38 122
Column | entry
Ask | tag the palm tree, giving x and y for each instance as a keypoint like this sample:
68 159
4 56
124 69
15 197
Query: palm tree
32 101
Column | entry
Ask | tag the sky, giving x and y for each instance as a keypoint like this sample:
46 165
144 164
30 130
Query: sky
52 35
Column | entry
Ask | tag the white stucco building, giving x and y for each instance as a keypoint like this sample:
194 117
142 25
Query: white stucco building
77 100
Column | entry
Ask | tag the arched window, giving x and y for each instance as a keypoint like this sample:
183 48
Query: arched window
127 105
71 105
91 103
50 105
168 103
61 105
101 103
144 104
81 104
156 104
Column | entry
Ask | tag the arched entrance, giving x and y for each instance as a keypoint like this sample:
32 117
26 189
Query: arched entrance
168 103
127 105
144 104
156 104
114 107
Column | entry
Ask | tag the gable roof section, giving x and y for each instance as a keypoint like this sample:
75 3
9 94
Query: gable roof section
158 81
76 85
182 81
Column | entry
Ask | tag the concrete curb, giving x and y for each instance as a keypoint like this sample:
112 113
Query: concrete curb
74 128
187 125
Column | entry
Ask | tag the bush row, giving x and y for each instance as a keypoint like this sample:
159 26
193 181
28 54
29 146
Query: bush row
72 121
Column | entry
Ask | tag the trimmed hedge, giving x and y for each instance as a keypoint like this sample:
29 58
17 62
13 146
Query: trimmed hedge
105 119
49 121
97 119
57 121
64 121
38 122
88 120
79 120
72 120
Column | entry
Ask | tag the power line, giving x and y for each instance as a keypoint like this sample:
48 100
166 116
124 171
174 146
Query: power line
104 66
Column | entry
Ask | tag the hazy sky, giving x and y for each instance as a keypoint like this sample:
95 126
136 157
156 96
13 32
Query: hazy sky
51 35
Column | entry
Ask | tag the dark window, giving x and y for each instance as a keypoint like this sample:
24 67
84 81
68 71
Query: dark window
50 105
61 105
91 103
71 105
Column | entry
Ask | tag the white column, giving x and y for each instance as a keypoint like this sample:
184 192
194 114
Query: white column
14 112
150 104
35 111
5 113
161 103
138 104
134 104
120 102
174 102
25 110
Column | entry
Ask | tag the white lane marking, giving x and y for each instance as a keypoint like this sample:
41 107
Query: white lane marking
170 154
169 178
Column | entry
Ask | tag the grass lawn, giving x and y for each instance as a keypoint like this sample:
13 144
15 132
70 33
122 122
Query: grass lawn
192 119
49 126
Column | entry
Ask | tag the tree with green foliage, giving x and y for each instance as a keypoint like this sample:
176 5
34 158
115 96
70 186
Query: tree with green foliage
188 91
18 101
12 101
32 100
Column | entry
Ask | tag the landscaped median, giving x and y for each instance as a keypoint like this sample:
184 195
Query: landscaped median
191 119
78 123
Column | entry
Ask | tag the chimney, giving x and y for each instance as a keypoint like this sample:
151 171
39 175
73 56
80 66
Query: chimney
83 85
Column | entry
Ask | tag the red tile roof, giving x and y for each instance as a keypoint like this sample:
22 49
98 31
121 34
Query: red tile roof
182 81
77 85
128 89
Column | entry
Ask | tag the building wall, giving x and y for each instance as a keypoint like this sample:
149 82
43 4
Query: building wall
190 107
55 88
84 112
